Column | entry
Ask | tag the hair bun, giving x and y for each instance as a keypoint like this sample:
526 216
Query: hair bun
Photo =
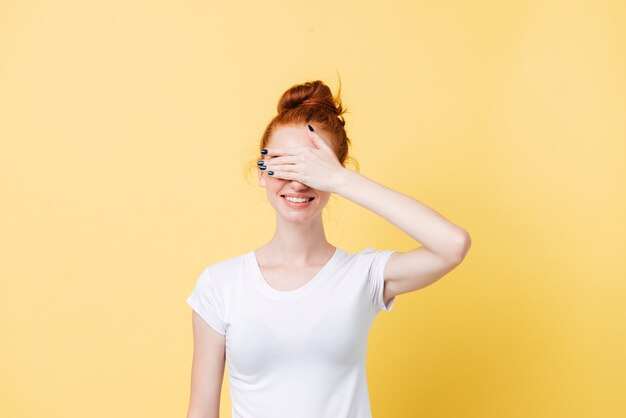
312 102
313 94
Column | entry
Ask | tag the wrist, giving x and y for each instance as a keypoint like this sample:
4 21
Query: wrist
343 180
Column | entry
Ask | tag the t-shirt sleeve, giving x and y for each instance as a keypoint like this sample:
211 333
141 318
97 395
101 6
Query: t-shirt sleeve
206 301
375 279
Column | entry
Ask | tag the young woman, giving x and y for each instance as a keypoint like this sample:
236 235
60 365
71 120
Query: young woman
291 319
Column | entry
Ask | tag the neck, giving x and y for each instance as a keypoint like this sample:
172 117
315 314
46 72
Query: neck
297 243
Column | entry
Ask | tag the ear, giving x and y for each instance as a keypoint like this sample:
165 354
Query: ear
261 175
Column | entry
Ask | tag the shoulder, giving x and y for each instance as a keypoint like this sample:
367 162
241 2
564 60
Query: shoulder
369 255
360 255
368 260
222 272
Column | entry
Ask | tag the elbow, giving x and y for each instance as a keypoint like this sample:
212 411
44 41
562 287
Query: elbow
462 244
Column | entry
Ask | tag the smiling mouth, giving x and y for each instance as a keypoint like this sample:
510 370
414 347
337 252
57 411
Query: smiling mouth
285 197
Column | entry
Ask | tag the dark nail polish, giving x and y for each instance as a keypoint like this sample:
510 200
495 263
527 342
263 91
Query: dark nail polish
262 167
270 173
260 162
264 151
310 128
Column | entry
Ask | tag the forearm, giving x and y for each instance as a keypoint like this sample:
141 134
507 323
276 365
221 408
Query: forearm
422 223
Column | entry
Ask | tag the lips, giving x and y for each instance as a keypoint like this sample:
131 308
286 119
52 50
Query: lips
297 205
300 196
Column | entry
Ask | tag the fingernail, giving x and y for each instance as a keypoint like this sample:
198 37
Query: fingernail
310 128
264 151
262 167
270 173
260 162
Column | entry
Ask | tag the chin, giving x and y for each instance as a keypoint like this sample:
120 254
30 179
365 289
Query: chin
298 215
295 216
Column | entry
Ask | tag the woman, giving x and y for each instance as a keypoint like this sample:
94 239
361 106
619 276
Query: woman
291 318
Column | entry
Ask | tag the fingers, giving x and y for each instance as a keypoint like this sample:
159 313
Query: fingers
287 159
273 152
282 174
272 163
317 140
278 164
281 163
311 136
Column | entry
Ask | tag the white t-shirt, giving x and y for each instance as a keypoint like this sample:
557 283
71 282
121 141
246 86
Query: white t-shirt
298 353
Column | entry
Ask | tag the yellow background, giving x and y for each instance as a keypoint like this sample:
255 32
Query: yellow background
126 127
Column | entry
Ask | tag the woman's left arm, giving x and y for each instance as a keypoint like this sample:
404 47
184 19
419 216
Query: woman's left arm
445 244
437 234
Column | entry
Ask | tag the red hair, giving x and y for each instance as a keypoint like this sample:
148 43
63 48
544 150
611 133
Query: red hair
312 101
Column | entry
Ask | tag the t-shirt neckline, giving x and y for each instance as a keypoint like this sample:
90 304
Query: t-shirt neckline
269 291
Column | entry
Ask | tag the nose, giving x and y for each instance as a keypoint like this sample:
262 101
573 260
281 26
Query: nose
298 186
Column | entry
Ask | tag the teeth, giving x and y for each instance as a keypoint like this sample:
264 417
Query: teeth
296 199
